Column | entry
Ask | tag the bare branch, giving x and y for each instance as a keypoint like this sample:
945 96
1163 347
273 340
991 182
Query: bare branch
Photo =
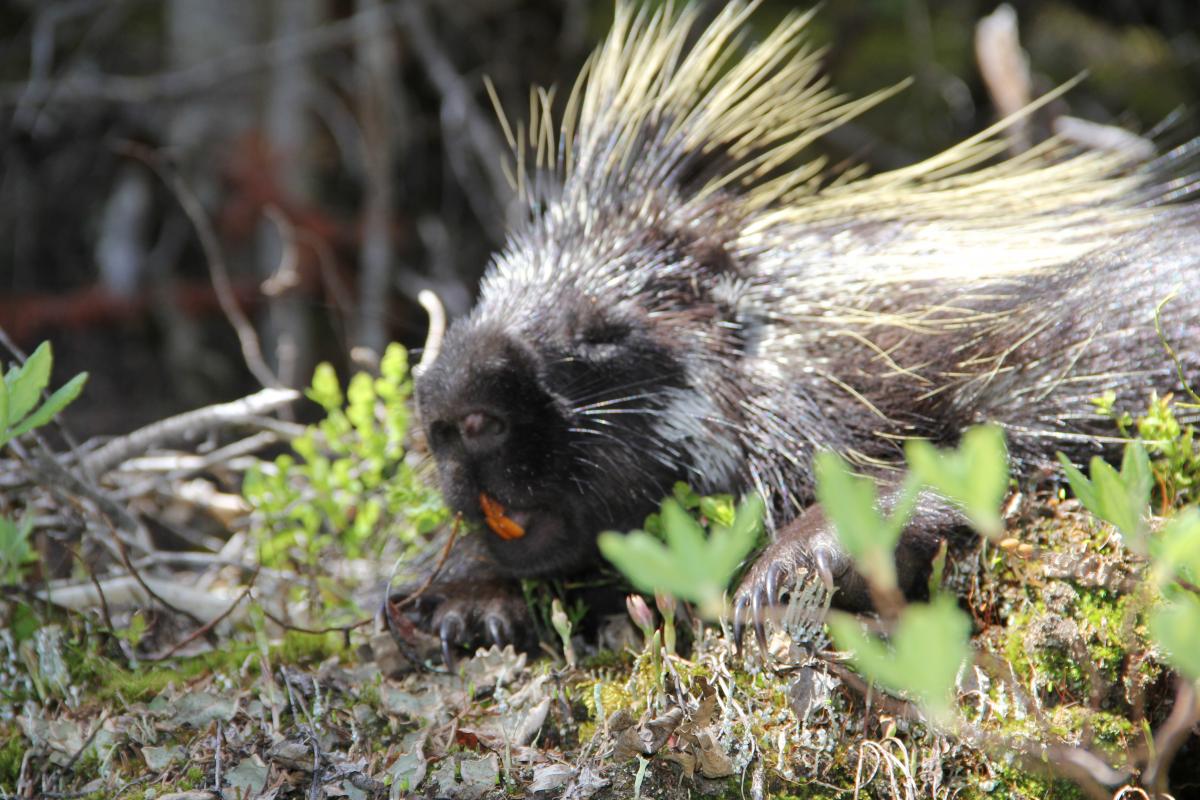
211 245
209 74
189 424
1005 70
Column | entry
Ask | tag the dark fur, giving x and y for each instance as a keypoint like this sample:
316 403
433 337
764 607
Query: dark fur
575 379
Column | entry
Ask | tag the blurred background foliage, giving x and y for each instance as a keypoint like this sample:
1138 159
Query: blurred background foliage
346 156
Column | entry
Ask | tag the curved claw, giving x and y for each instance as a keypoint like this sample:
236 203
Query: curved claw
450 632
823 561
759 603
776 573
498 630
739 622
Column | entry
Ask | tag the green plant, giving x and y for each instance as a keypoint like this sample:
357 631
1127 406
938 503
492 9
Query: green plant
930 641
1117 497
1172 446
849 501
926 651
22 387
348 483
1122 498
20 412
15 550
685 562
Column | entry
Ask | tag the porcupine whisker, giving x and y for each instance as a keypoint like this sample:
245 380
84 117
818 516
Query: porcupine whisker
600 405
607 390
654 450
610 457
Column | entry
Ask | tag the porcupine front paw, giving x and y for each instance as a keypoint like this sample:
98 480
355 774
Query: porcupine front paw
808 545
467 603
466 614
810 542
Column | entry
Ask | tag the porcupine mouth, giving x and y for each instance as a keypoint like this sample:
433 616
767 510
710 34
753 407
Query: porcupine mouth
545 547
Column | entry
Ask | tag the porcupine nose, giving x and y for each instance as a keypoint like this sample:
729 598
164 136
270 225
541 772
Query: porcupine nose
482 432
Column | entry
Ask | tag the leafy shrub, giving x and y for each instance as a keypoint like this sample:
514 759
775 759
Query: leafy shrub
348 483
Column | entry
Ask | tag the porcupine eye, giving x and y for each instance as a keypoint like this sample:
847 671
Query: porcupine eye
603 340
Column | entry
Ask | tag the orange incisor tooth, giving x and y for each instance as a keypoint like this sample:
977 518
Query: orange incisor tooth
501 525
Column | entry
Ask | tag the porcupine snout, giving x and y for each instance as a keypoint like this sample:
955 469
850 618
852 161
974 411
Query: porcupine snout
499 436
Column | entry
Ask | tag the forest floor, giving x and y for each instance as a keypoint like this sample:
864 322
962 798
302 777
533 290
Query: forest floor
188 644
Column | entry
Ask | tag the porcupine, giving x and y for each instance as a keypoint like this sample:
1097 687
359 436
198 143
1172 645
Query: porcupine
688 299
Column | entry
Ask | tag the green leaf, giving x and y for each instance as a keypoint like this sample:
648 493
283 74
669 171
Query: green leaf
683 534
930 644
55 403
644 560
974 475
25 383
729 546
1176 628
3 406
325 391
849 502
687 564
686 495
15 550
1080 485
718 508
1136 473
394 364
1176 550
1120 498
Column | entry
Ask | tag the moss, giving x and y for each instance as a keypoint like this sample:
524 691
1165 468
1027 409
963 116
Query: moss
307 648
1015 784
607 659
613 696
145 681
111 680
192 779
12 753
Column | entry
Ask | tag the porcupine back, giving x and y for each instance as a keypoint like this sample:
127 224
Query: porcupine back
802 312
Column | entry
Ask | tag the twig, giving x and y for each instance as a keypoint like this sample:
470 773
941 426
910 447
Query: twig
124 589
64 483
189 424
437 330
433 574
458 105
217 761
211 245
315 786
375 54
208 560
206 627
342 629
1171 736
327 265
104 613
282 282
221 455
144 90
137 576
90 738
1005 71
